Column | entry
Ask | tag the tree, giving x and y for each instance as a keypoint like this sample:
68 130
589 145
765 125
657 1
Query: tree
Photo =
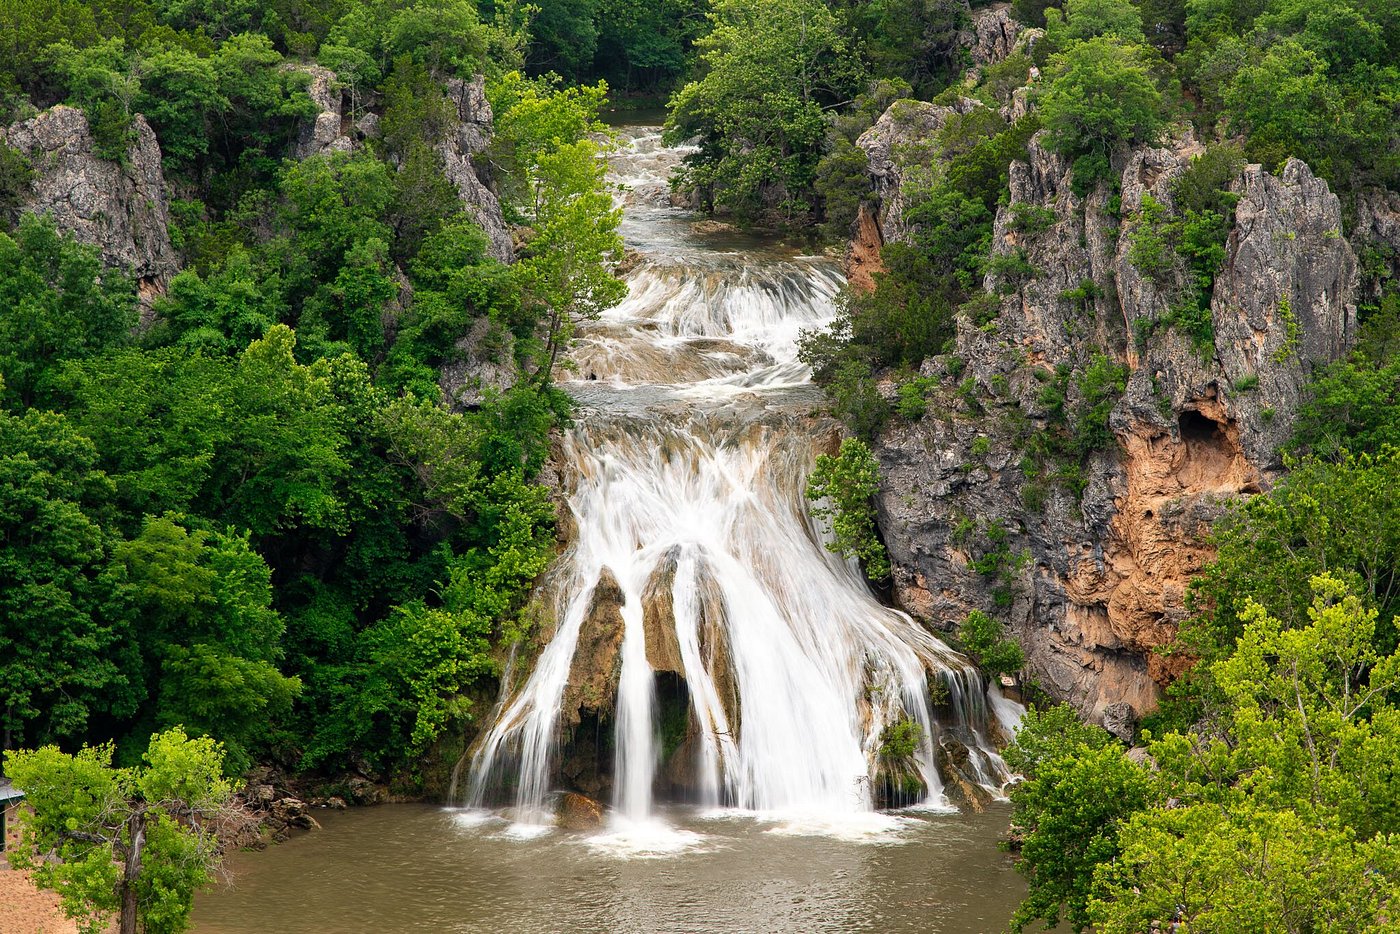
179 96
200 606
844 489
1257 869
58 305
65 664
1088 19
1288 817
1070 814
915 40
985 640
1100 98
769 69
566 272
138 842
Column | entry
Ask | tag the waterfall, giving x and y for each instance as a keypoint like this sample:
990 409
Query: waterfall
696 610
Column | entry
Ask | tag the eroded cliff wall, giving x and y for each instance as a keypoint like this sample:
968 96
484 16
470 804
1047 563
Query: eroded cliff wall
1091 573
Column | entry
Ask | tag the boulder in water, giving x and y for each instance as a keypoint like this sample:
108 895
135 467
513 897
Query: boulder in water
578 812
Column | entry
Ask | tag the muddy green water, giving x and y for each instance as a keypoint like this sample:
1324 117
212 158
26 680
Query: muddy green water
420 868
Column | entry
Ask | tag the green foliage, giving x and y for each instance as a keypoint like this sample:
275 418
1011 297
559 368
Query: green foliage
56 307
136 841
1078 20
1354 405
999 563
769 68
1070 813
985 640
1100 98
251 517
16 174
1149 248
64 660
842 182
900 739
1315 82
566 271
913 40
844 487
913 398
1287 815
1323 517
910 315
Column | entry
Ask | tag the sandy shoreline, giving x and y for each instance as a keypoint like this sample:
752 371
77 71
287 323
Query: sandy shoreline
27 909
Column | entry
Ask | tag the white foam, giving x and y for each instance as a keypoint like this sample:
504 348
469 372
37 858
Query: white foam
646 839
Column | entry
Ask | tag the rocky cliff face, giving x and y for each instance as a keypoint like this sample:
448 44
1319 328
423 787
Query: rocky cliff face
1091 574
119 207
338 128
467 139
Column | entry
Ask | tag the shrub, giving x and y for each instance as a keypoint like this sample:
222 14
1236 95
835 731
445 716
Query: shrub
844 487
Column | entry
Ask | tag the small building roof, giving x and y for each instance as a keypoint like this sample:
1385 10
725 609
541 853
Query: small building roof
9 792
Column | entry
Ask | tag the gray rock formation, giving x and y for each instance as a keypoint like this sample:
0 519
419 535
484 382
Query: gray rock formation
485 361
336 129
468 138
992 36
121 208
1376 236
1091 571
905 137
330 130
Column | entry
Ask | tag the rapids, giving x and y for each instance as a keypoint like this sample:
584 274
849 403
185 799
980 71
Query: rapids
685 473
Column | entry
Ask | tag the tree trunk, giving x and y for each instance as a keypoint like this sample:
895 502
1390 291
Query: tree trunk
131 870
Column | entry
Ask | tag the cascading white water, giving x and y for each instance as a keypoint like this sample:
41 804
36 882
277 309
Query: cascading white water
696 429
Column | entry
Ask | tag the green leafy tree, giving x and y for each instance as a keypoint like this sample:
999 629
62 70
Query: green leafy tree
769 69
1078 20
844 487
914 40
180 97
1289 817
134 842
222 313
58 305
103 81
200 605
1100 98
1070 815
1270 869
66 664
986 641
566 271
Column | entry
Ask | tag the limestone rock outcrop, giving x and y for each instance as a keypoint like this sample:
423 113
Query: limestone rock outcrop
330 130
467 139
906 135
119 207
484 361
337 127
992 35
1091 571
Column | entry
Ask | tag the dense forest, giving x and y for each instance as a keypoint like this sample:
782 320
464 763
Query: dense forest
244 506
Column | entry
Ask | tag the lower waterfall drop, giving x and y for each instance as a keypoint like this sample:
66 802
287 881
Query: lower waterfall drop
700 629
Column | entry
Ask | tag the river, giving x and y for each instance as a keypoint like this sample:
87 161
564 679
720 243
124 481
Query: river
703 647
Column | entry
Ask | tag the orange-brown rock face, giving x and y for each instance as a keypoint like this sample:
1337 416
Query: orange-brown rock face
863 256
